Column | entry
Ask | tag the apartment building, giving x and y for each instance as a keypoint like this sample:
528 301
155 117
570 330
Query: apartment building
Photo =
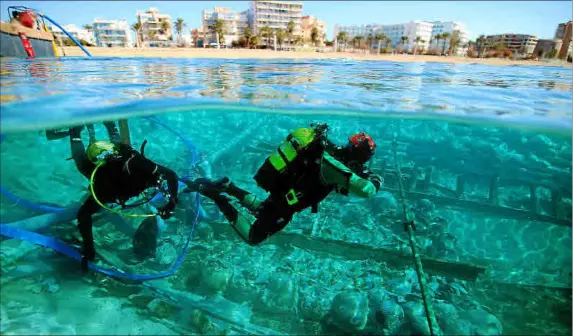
112 33
156 29
308 23
410 30
75 31
519 44
356 30
563 33
275 15
441 27
234 25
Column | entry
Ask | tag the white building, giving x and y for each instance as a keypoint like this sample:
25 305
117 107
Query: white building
356 30
441 27
275 15
234 25
425 30
411 30
156 29
112 33
77 33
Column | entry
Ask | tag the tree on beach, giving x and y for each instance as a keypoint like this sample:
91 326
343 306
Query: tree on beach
290 30
314 36
404 40
137 27
179 26
342 37
455 41
437 38
417 40
280 35
195 34
219 30
480 42
388 41
379 38
88 27
266 34
248 33
254 41
165 26
445 37
151 34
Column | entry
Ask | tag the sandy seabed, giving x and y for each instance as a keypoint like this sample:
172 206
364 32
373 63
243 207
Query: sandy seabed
270 54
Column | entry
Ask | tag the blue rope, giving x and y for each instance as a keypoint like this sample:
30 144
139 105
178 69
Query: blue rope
42 240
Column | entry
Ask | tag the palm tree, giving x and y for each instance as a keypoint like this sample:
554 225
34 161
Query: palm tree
266 34
255 41
438 37
219 26
404 40
179 25
165 26
387 42
290 30
280 35
342 37
417 40
454 42
445 37
195 34
151 34
88 27
248 36
379 38
314 36
137 27
480 41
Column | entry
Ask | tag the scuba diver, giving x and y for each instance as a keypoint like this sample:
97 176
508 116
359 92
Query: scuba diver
300 174
117 172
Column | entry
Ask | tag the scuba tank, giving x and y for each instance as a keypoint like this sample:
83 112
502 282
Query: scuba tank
297 155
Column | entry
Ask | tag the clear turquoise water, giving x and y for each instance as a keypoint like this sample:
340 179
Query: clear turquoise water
470 121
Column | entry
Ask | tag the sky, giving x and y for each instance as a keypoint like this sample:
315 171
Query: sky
538 18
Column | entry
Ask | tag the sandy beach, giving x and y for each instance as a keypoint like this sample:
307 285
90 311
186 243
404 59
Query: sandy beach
269 54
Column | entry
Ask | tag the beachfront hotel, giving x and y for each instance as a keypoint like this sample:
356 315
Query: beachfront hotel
234 25
520 44
275 15
112 33
427 31
156 29
449 27
308 23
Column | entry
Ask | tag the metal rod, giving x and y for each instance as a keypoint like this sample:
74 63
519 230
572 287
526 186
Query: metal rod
409 226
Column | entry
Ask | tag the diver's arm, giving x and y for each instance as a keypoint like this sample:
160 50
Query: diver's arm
334 172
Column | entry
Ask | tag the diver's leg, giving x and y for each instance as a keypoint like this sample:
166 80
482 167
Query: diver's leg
53 134
209 188
112 132
91 133
271 219
83 163
85 213
248 200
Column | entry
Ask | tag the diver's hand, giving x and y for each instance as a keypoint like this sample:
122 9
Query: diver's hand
167 211
377 180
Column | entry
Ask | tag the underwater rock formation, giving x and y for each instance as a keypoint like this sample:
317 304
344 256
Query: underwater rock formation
483 323
349 312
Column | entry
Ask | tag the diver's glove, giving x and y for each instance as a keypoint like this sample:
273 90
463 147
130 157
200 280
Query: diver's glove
377 180
166 211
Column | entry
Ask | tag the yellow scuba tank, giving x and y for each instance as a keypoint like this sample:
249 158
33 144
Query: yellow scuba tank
283 167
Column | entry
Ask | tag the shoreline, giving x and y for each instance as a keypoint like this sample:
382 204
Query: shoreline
271 54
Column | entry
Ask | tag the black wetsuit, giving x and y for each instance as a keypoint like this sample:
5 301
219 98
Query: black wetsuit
124 176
